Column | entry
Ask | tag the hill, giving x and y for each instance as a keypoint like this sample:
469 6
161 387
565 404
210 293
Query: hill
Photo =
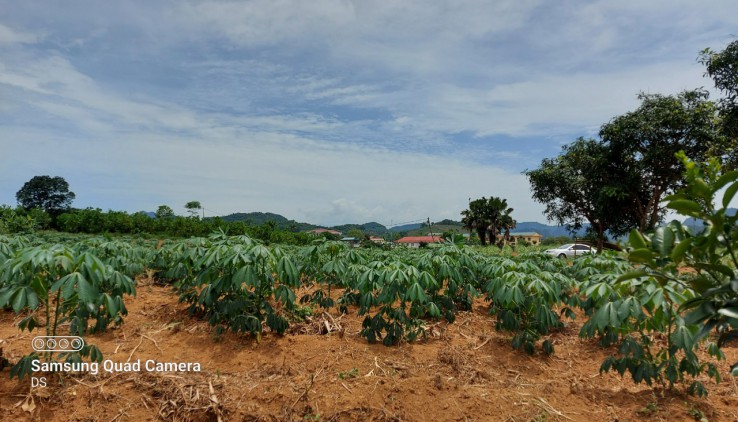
526 226
405 227
373 228
258 218
439 227
695 224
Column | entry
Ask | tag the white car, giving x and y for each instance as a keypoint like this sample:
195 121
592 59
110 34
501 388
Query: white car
571 250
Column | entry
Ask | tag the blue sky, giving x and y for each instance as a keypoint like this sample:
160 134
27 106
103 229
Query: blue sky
328 111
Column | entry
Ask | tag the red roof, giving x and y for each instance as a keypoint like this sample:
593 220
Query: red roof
420 239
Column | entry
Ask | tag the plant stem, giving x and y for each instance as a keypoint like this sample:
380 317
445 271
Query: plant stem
56 311
728 241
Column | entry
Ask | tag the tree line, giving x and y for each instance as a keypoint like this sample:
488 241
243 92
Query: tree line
44 203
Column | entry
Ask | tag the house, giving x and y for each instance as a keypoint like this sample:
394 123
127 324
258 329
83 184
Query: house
322 230
351 241
417 241
376 239
531 238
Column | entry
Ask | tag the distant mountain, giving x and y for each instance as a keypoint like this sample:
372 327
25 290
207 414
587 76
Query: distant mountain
374 228
259 218
440 227
405 227
695 224
368 228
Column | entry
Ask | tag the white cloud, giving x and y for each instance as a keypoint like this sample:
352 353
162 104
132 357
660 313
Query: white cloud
9 36
332 110
298 178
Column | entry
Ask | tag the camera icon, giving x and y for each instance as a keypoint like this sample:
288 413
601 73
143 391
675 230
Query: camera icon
57 343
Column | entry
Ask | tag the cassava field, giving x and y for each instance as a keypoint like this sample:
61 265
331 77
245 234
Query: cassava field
227 328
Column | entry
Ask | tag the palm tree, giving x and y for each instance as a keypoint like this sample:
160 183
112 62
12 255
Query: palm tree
474 218
489 217
507 223
498 215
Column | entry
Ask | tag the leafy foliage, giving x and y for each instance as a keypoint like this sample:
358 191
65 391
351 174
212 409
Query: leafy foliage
50 194
577 186
70 285
657 297
232 281
489 217
642 145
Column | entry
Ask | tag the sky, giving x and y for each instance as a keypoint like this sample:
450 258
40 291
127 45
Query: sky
327 111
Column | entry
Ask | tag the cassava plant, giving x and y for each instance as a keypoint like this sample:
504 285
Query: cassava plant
237 281
686 283
711 252
523 298
56 285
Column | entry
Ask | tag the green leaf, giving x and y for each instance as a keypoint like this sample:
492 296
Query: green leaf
723 269
704 311
726 178
644 256
111 305
729 312
729 194
636 240
86 291
416 294
19 300
663 241
683 338
433 310
631 275
685 207
680 249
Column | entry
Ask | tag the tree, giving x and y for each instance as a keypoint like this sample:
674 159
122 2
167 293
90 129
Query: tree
50 194
500 219
489 217
722 67
474 218
507 223
164 212
642 145
577 186
355 233
193 207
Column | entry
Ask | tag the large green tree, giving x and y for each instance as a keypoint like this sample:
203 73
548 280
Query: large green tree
577 186
641 147
50 194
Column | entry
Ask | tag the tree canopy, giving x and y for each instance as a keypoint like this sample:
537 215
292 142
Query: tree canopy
193 207
50 194
164 211
722 67
489 217
642 145
577 186
621 180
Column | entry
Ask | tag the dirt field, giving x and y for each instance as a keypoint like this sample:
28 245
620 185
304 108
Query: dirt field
463 372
